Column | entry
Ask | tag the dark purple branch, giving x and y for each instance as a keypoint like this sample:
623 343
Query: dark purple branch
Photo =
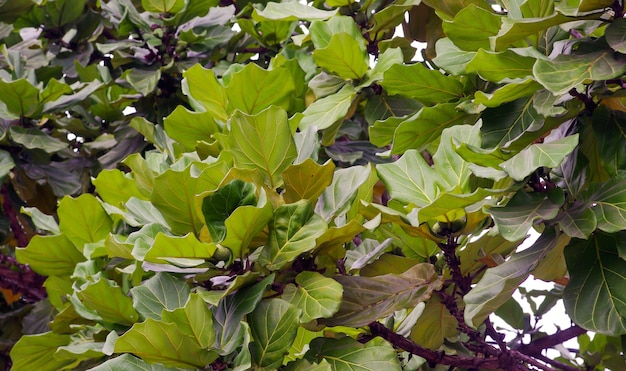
559 337
590 105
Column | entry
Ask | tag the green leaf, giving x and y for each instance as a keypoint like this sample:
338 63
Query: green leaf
517 217
410 179
451 58
499 283
127 362
516 31
472 27
507 93
426 126
434 325
322 32
166 343
187 247
188 128
160 292
491 244
42 221
336 198
253 89
205 93
115 188
106 298
273 324
83 220
194 319
143 81
231 311
163 6
38 351
594 297
505 124
307 180
218 206
317 296
513 314
174 194
575 7
263 142
578 221
323 113
291 11
565 72
21 98
293 231
343 55
33 138
366 299
614 35
539 155
608 128
497 67
453 171
243 225
347 354
608 202
6 164
50 255
418 82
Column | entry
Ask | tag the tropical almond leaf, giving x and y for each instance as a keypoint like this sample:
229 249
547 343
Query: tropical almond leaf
166 343
194 319
50 255
108 300
293 231
315 295
410 179
38 351
33 138
343 55
496 67
347 354
307 180
274 324
263 142
83 220
187 247
594 296
367 299
254 89
608 202
336 198
204 91
323 113
129 362
218 206
472 26
188 127
160 292
418 82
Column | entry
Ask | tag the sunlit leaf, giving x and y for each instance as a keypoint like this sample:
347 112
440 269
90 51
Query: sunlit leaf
160 292
418 82
343 55
347 354
273 324
315 295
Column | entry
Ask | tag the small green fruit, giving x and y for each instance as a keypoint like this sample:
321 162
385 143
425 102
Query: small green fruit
445 229
221 253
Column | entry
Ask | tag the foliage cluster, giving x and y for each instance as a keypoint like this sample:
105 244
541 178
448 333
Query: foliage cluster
232 185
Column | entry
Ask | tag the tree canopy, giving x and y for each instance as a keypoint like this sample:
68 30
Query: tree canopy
217 184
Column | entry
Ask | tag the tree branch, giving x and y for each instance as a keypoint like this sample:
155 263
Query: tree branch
536 346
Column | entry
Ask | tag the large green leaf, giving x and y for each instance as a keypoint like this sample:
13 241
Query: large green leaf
293 231
194 319
323 113
569 71
608 202
307 180
273 324
160 292
38 351
107 299
127 362
254 89
343 55
315 295
292 11
434 325
83 220
32 138
610 131
615 35
517 217
425 127
188 128
116 188
166 343
366 299
347 354
20 97
50 255
410 179
418 82
205 92
594 297
163 6
472 27
499 283
520 31
231 311
507 93
501 66
263 142
504 124
243 225
451 58
539 155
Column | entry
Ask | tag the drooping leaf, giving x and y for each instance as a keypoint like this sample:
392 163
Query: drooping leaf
593 298
315 295
615 35
32 138
160 292
263 142
500 66
21 99
273 324
293 231
186 247
499 283
366 299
